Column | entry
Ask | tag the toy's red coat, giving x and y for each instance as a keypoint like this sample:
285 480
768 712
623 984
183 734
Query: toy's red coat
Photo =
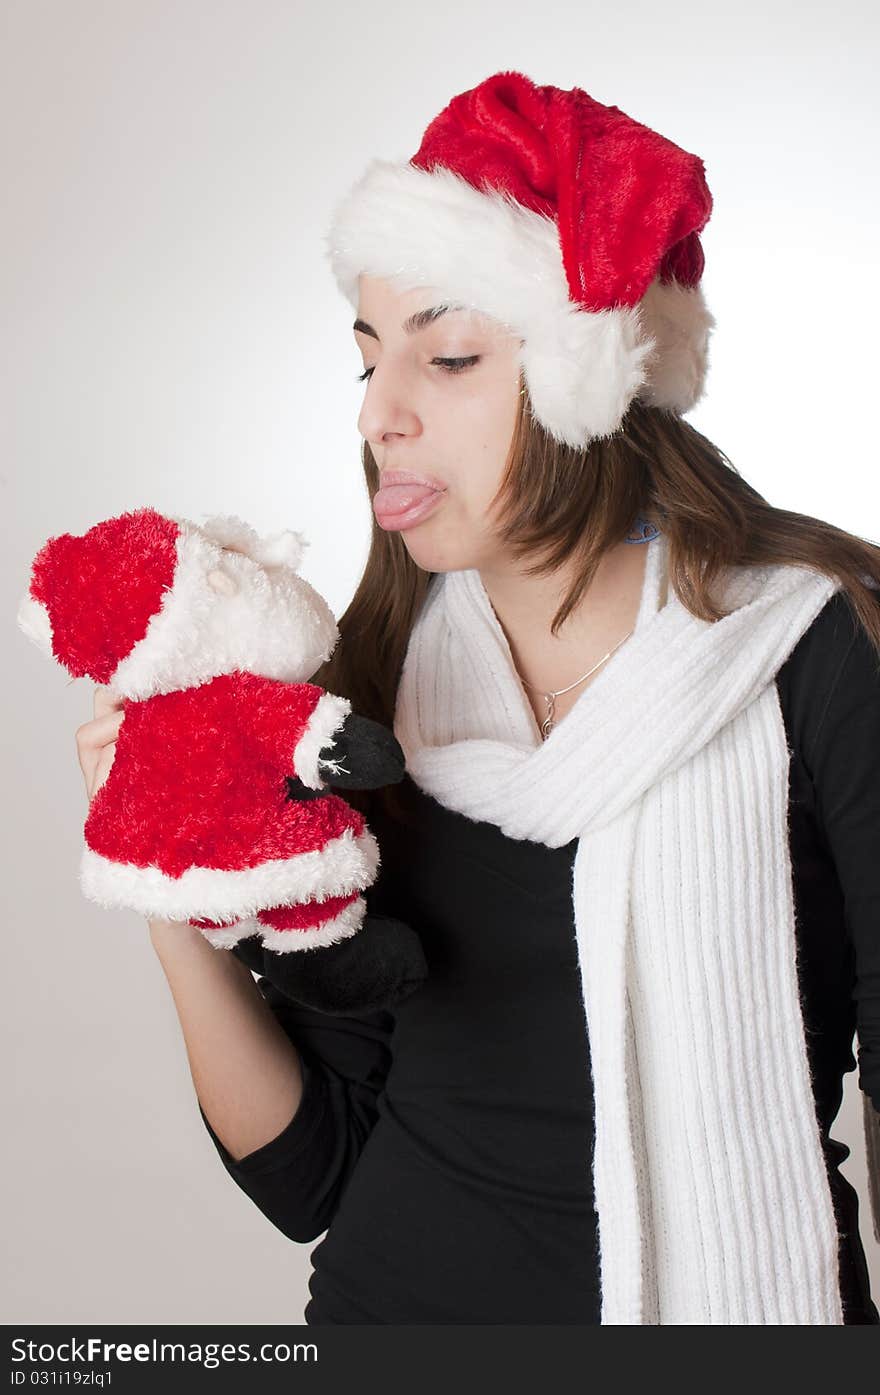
198 780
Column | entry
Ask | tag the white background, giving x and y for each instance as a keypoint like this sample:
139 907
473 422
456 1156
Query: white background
172 336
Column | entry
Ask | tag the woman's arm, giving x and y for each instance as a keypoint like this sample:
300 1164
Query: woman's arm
246 1071
288 1125
298 1179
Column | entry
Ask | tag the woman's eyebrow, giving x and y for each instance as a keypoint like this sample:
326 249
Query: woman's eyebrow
418 321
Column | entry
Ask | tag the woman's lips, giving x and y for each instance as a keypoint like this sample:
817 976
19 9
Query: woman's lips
399 505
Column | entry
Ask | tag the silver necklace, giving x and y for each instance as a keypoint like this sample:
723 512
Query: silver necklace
550 698
642 532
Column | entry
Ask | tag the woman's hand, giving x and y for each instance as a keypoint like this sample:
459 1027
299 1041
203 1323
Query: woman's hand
96 740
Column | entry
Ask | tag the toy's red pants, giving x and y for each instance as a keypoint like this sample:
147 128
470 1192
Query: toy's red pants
307 916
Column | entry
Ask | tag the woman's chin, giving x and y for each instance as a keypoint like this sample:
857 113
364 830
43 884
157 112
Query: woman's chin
431 554
437 545
427 559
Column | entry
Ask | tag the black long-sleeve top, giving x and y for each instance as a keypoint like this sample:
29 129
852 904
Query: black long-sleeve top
446 1145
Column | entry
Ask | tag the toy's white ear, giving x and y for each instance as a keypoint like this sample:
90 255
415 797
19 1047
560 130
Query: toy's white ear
273 550
229 531
282 549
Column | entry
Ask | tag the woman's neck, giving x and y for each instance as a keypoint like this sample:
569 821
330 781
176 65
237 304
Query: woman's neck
606 613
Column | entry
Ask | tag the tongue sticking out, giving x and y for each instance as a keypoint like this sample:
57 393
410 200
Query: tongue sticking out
398 498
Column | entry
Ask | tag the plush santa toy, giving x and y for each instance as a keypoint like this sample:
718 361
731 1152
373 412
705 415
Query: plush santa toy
218 809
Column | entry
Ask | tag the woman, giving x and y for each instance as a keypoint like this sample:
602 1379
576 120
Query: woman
640 711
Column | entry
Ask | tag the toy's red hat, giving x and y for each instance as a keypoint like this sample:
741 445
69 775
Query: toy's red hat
562 218
93 596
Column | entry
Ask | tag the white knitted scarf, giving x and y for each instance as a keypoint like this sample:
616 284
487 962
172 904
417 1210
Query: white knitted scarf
671 771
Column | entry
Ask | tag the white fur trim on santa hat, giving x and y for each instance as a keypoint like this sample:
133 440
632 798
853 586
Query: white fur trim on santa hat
33 620
329 932
345 864
483 249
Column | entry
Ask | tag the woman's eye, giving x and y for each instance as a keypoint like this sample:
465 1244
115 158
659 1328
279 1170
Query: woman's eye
449 365
455 365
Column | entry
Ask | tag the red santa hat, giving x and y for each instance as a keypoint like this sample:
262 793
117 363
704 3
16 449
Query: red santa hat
564 219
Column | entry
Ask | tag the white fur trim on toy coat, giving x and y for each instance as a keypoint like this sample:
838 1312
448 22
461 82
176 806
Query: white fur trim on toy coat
345 864
328 715
418 227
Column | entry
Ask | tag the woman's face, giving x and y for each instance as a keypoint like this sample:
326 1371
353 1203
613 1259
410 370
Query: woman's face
451 423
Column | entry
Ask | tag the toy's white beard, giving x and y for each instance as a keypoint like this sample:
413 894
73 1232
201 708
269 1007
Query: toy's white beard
33 620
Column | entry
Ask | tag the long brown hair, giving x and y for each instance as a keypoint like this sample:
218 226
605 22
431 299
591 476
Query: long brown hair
559 504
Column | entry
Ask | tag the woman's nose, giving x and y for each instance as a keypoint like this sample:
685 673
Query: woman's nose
386 414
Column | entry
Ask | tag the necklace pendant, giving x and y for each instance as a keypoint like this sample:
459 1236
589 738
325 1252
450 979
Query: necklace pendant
547 724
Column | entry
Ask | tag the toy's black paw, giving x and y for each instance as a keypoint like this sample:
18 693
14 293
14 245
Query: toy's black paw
372 970
366 754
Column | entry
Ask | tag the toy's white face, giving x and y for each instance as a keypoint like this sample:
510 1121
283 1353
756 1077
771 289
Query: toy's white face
452 423
268 618
220 580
